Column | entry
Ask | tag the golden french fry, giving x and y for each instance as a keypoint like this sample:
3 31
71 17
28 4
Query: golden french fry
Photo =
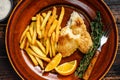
53 37
34 37
45 20
55 47
28 37
34 34
31 28
40 35
44 15
45 59
50 52
57 34
33 59
42 32
40 38
50 21
33 18
52 28
59 23
40 62
37 50
27 44
47 46
24 33
41 19
38 24
43 42
40 45
30 51
53 43
22 44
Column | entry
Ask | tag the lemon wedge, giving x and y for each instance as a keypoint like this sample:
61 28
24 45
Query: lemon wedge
67 68
54 62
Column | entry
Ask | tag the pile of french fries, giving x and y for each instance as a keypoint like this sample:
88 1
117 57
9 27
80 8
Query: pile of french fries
40 38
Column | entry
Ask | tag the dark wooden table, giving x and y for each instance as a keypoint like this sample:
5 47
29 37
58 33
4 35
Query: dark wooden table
8 73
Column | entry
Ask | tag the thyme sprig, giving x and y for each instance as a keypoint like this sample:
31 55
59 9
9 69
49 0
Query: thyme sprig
96 33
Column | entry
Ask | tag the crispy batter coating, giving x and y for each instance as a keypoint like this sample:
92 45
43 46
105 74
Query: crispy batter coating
74 36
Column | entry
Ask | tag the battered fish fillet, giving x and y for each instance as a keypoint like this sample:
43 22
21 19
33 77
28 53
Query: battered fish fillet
74 36
66 43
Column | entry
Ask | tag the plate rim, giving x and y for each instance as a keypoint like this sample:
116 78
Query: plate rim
20 75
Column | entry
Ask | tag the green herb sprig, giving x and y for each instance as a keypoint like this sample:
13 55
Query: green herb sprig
96 33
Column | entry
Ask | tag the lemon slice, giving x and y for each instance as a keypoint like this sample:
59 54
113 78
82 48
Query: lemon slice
67 68
54 62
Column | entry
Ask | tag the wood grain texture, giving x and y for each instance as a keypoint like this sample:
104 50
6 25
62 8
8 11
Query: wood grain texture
114 73
8 73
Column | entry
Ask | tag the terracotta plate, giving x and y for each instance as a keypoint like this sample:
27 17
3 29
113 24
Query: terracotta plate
21 17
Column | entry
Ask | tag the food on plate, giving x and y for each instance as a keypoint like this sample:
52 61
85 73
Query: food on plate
40 62
59 23
67 68
39 38
87 62
33 60
45 41
54 62
66 45
74 36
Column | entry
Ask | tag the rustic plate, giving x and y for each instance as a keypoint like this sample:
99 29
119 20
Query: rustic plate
21 17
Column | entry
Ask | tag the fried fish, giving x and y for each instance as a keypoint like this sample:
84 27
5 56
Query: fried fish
74 36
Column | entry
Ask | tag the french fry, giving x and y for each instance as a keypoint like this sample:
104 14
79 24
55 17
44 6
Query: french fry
41 19
59 23
30 51
27 44
31 28
40 45
52 28
40 37
42 32
50 52
44 15
45 20
34 34
33 59
37 50
40 62
22 44
43 42
47 46
24 33
55 46
28 37
33 18
38 24
34 37
53 43
50 21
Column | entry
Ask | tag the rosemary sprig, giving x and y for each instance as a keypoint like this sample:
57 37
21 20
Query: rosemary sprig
96 33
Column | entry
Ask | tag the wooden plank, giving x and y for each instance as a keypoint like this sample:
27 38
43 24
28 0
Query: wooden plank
111 2
2 41
113 74
112 78
6 70
114 5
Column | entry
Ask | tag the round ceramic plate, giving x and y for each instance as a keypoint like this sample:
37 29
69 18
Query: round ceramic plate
21 17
